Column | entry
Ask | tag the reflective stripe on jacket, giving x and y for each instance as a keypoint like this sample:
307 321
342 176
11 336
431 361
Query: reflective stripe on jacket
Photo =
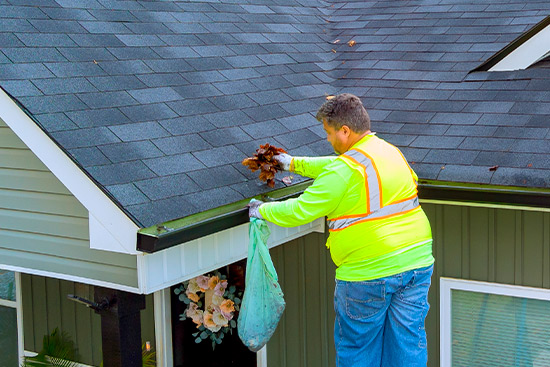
369 194
376 207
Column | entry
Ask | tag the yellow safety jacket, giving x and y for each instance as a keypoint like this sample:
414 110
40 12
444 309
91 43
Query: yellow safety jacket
369 194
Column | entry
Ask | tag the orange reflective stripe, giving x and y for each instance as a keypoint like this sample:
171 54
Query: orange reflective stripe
375 207
377 174
372 178
366 181
386 212
402 200
364 214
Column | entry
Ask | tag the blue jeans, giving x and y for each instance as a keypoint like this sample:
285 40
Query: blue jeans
380 323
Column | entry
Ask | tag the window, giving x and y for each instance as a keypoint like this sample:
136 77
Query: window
11 344
494 325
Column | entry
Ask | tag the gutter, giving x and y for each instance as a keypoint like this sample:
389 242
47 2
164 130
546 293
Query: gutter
167 236
472 193
170 234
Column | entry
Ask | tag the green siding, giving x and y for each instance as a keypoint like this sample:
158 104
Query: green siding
485 244
45 307
304 336
43 226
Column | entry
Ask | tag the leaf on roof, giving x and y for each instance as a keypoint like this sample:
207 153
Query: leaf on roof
287 180
329 97
263 160
351 43
494 168
336 41
333 50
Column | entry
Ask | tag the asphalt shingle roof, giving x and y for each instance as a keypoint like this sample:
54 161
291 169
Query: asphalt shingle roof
160 101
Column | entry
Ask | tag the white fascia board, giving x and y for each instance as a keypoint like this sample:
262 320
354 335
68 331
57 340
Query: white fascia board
102 239
527 54
71 278
121 233
176 264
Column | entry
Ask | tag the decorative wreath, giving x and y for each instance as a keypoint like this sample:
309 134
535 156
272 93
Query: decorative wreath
211 306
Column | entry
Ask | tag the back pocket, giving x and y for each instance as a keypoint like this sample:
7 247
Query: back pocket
364 299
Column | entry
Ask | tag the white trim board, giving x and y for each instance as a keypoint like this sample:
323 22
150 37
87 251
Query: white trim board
121 235
446 285
18 306
71 278
176 264
163 328
20 330
261 357
527 54
8 303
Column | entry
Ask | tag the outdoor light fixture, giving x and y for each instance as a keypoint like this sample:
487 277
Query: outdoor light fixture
104 305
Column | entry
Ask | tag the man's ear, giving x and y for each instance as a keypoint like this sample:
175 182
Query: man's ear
346 130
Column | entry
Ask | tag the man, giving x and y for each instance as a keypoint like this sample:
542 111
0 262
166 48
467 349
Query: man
380 238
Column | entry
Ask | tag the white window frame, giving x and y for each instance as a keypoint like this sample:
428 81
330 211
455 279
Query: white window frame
446 285
18 305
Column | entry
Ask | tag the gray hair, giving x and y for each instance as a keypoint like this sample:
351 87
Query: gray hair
345 109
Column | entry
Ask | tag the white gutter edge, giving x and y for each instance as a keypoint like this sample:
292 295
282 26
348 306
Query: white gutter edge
110 228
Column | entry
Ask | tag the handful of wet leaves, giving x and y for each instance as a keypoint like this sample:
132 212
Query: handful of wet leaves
263 160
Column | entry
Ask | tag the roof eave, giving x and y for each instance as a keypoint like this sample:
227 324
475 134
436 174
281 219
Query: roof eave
485 194
428 190
171 234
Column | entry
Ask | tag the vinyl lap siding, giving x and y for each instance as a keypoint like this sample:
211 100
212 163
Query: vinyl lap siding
43 226
485 244
46 307
509 246
304 336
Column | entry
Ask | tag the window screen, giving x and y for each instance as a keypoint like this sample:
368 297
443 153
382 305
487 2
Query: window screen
493 330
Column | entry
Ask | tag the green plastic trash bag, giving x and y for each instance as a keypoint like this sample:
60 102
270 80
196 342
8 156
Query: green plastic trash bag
263 303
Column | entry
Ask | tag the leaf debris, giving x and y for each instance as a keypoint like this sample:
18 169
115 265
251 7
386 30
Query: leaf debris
263 160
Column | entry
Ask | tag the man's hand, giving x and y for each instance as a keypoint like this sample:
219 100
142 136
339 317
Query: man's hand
284 160
254 208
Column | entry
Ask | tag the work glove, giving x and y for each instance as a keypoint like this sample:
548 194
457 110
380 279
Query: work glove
254 208
284 160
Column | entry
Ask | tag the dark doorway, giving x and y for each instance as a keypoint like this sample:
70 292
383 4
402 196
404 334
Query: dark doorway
231 352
